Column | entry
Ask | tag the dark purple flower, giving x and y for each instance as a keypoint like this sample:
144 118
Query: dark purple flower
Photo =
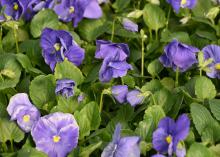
122 147
65 87
169 133
59 44
130 25
107 49
135 97
179 55
22 110
177 4
56 134
119 92
75 10
213 52
13 8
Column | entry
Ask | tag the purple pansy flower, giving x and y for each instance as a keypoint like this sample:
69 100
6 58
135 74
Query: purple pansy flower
75 10
130 25
59 44
56 134
213 52
13 8
119 92
158 155
169 133
177 4
179 55
22 110
65 87
135 97
122 147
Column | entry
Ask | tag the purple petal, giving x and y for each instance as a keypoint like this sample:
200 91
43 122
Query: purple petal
75 54
168 125
93 10
130 25
134 97
159 140
182 127
119 92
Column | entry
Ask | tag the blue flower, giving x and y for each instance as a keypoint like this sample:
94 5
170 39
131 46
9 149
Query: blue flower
120 92
65 87
130 25
135 97
177 4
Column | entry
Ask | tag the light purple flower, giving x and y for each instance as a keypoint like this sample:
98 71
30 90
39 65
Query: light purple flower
213 52
120 92
179 55
158 155
59 44
65 87
130 25
169 133
135 97
122 147
56 134
22 110
177 4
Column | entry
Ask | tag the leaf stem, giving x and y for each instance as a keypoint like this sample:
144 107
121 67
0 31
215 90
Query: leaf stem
1 46
16 39
168 17
113 30
142 57
177 77
101 102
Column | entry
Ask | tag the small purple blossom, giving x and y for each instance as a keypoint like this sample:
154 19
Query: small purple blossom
125 146
169 133
22 110
58 45
179 55
177 4
213 52
130 25
135 97
81 97
56 134
65 87
120 92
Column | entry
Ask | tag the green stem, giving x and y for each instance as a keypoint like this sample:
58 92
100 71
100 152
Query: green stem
156 32
1 47
4 146
122 81
16 39
142 57
168 17
101 102
12 146
200 72
150 31
113 30
154 101
177 77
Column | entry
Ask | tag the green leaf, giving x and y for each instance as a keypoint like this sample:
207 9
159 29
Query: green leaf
46 18
10 71
154 17
167 36
67 70
129 80
120 5
88 118
155 67
86 151
198 150
202 7
9 131
42 90
204 88
215 150
214 105
30 152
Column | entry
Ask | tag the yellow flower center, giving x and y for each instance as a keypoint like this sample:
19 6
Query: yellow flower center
15 7
217 66
26 118
169 139
56 139
183 2
57 46
71 10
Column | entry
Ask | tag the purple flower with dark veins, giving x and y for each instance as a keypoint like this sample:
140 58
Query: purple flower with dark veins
22 110
177 4
65 87
56 134
169 135
13 8
58 45
120 92
76 10
130 25
213 52
135 97
179 55
122 147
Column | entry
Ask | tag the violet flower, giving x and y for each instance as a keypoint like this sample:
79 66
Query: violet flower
130 25
179 55
56 134
65 87
125 146
22 110
75 10
213 52
158 155
169 133
59 44
177 4
135 97
13 8
120 92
